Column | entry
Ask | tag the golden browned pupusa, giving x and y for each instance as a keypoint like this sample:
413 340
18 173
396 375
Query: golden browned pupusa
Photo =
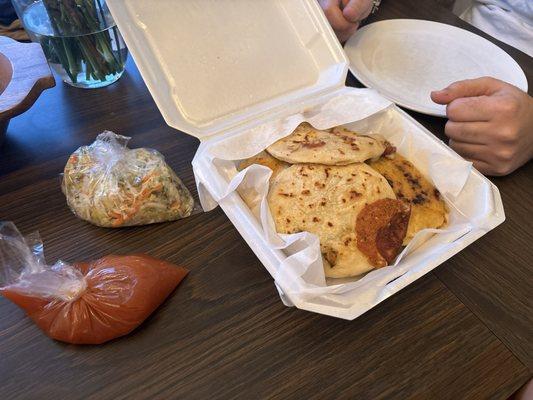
309 145
266 160
250 196
428 209
325 200
362 213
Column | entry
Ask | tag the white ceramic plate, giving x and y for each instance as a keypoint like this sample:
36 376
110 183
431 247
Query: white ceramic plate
406 59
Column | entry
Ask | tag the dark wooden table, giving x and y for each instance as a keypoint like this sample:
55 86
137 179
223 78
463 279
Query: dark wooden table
463 331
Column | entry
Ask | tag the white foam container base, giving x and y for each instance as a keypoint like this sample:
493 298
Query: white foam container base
214 181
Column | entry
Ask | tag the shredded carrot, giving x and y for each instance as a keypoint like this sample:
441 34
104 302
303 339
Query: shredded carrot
118 222
115 214
148 177
131 213
157 187
146 192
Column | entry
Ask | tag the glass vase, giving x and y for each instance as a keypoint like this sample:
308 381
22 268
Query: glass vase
79 38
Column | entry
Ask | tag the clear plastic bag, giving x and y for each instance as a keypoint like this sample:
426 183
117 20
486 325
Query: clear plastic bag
86 302
110 185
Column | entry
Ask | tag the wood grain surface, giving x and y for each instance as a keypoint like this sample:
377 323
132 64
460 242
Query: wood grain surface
462 332
24 74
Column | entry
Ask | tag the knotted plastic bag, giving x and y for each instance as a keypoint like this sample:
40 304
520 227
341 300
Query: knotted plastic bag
85 302
110 185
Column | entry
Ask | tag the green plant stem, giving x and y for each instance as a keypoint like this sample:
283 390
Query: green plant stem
115 34
59 48
82 41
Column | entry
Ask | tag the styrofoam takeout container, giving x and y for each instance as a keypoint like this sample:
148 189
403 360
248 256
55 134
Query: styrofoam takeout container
240 74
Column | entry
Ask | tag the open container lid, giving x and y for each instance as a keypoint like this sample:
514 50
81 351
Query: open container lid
212 65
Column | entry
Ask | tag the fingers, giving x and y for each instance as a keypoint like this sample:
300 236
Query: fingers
484 159
335 16
467 88
475 153
484 167
342 27
349 32
488 123
356 10
487 168
469 109
440 96
467 132
470 151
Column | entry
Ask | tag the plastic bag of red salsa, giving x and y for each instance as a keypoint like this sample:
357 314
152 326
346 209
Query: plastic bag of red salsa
82 303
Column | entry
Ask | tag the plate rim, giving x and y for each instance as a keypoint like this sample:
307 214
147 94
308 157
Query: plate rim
408 105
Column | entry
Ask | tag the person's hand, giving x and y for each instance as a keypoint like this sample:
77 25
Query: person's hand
490 123
345 15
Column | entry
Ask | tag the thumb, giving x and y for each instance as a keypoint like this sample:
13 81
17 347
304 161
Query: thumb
355 10
468 88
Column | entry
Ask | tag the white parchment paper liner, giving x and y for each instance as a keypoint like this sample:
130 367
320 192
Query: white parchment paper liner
300 274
